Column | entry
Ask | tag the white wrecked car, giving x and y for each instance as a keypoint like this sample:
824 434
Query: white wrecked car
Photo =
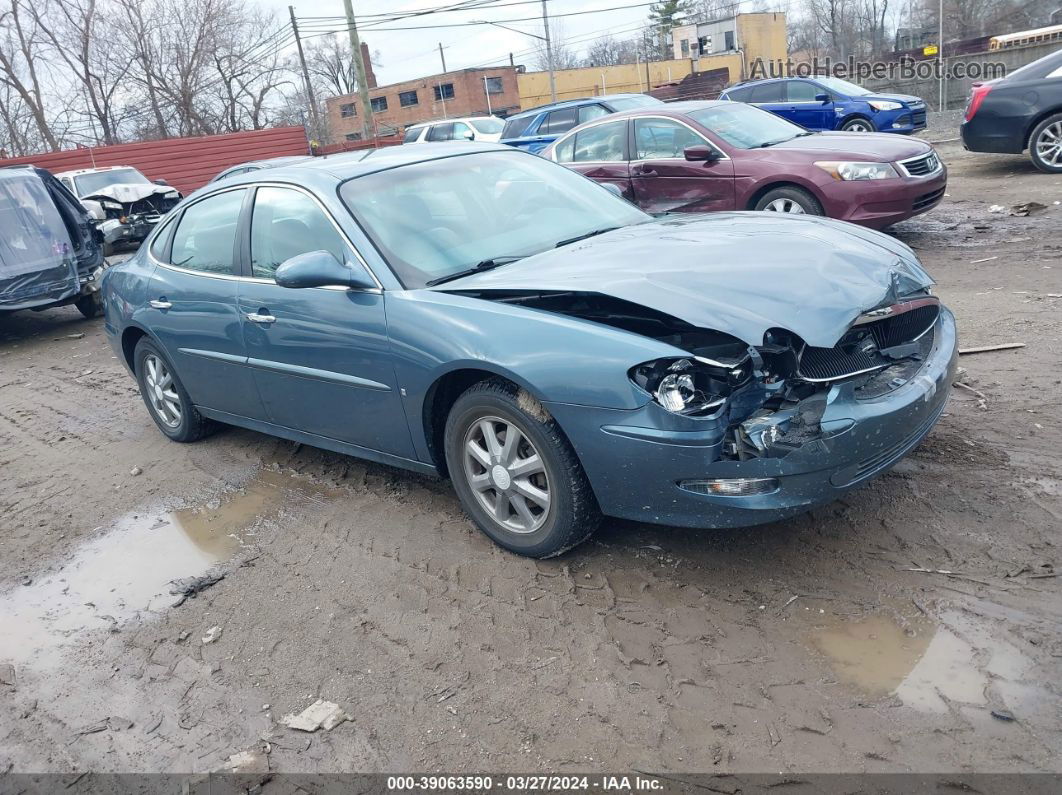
125 204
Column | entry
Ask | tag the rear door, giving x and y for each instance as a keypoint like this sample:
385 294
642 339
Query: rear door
320 356
441 132
600 153
804 109
664 181
192 302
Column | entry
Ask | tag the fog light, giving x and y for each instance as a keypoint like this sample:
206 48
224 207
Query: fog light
731 487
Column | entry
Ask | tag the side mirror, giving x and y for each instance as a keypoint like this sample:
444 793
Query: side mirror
161 182
822 98
321 269
700 152
467 135
613 189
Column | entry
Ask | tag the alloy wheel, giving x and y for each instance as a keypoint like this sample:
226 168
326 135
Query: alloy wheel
161 391
1049 144
506 475
784 206
858 126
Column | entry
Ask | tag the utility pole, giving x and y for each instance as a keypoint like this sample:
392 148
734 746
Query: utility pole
442 57
940 54
486 93
549 53
305 74
359 72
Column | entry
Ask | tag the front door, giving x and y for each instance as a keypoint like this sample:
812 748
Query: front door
664 181
320 356
805 109
193 302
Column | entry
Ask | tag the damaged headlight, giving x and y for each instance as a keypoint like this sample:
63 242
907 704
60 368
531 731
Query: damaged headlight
693 386
857 170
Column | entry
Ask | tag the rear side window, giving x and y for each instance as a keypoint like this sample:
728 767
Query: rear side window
768 92
560 121
412 134
206 234
441 132
161 241
286 223
739 94
514 128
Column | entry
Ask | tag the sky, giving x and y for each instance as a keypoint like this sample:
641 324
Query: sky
406 54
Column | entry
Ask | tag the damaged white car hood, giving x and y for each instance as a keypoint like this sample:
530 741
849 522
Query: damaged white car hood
129 192
739 273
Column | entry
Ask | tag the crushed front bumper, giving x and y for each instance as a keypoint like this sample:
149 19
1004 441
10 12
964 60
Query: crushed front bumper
635 465
134 230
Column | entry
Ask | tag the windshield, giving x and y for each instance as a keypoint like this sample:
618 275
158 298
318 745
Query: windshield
630 103
842 86
487 126
436 218
745 126
87 184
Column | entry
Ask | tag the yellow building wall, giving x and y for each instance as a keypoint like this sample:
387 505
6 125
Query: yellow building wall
594 81
762 36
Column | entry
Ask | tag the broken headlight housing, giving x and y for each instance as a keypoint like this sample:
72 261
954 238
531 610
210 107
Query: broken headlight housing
695 386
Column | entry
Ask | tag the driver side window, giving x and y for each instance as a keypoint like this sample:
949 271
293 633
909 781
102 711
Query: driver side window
661 139
286 223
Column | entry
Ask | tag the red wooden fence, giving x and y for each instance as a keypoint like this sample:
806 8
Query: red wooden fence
185 163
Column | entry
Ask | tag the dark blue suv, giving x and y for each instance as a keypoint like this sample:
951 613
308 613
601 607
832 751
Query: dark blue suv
827 103
537 128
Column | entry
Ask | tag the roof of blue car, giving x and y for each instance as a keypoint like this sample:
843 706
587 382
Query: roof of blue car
565 103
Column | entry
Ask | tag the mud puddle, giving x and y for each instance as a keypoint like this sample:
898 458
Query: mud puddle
928 665
128 571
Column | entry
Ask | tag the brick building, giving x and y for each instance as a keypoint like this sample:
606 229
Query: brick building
467 92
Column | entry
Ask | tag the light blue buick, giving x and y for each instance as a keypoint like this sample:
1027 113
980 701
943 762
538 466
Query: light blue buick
480 313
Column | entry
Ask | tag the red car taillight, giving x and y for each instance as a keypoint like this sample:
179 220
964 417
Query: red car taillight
977 96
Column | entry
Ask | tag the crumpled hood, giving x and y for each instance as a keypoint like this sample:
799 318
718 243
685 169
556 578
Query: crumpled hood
741 273
129 192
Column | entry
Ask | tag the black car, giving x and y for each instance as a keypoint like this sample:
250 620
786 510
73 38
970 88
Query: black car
1020 111
51 253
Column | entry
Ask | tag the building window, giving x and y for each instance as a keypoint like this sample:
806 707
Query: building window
728 38
379 104
407 98
494 85
347 111
444 91
685 44
353 136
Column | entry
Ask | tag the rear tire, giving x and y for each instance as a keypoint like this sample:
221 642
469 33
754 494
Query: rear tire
792 200
108 249
165 397
90 305
1045 145
858 124
515 473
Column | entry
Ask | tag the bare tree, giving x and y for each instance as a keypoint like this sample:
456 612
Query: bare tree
564 56
608 51
21 45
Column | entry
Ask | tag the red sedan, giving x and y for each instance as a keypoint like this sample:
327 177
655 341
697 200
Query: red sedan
707 156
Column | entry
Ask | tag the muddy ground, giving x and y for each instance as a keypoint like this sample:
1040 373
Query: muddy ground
818 644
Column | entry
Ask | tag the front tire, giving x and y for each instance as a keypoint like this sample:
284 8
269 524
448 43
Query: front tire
165 397
1045 145
515 473
858 124
792 200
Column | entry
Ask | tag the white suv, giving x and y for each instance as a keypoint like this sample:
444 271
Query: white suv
473 128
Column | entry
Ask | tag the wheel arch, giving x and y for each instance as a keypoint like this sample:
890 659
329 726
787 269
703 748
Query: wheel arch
853 116
131 335
1027 140
788 182
444 391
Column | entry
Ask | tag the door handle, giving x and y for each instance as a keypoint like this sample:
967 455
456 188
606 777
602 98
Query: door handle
261 318
160 303
645 172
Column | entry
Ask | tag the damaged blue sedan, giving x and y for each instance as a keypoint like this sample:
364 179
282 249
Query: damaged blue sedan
481 313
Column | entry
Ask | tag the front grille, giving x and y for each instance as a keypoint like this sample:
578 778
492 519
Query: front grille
927 200
153 205
919 118
859 350
921 166
902 121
